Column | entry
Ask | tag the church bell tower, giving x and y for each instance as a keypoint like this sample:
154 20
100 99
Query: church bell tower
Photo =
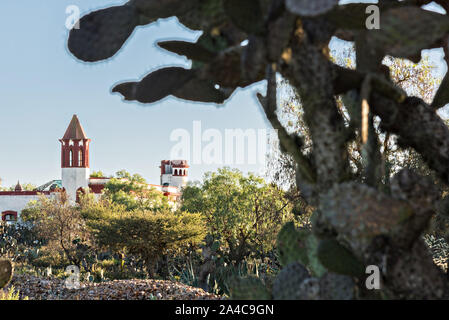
75 159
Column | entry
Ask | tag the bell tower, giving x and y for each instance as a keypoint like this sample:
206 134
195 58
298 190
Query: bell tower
75 159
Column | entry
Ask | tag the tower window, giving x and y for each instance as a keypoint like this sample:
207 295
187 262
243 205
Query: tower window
71 158
80 158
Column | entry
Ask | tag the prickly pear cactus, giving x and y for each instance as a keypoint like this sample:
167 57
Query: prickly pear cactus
6 271
337 287
292 245
287 285
338 259
249 288
299 245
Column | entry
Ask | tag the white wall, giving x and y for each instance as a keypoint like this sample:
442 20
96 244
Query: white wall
15 203
176 181
179 181
73 179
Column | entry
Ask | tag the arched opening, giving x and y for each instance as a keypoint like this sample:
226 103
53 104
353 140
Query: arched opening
176 172
9 216
80 158
71 158
79 192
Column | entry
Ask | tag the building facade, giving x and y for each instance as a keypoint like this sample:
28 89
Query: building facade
75 176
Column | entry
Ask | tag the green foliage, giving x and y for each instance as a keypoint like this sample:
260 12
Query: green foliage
97 174
25 187
292 245
243 213
249 288
48 257
133 192
150 235
60 225
299 245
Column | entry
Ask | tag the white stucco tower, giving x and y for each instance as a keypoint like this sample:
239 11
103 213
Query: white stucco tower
75 159
174 173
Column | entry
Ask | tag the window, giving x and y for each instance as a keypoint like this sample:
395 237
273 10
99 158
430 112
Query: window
71 158
9 216
80 158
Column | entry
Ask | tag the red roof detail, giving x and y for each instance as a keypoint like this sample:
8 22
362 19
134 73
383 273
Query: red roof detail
24 193
75 131
96 188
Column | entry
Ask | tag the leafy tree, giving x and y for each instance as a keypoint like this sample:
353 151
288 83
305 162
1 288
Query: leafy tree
97 174
150 235
359 219
134 193
61 225
244 213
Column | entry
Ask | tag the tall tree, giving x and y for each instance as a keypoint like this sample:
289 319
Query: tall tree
243 212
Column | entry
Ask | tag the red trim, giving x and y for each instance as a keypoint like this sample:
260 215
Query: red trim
75 148
174 164
23 193
96 188
79 191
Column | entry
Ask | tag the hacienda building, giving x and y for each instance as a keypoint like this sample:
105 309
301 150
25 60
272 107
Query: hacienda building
75 177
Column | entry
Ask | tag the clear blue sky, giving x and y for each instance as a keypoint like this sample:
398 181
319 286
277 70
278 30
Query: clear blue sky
42 86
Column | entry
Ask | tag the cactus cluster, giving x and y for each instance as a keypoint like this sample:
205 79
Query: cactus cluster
6 272
313 269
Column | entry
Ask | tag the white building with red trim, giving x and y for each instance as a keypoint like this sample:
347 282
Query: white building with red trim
75 176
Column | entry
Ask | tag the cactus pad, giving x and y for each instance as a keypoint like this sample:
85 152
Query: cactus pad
287 285
310 8
292 245
338 259
336 287
6 271
249 288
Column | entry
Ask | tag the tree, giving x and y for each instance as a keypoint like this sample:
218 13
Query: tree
244 213
60 225
148 234
134 193
355 215
97 174
415 78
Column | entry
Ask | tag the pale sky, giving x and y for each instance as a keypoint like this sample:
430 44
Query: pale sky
42 86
